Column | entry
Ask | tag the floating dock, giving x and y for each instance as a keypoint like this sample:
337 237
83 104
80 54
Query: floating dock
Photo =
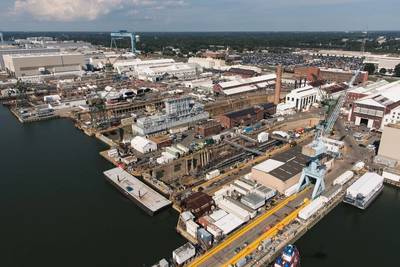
144 196
362 192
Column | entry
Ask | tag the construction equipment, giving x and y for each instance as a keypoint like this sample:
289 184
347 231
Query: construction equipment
315 171
115 36
97 109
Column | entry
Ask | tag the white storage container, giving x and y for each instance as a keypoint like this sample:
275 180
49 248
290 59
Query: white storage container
343 178
312 208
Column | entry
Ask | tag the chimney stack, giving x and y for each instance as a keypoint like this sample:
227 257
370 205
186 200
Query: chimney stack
278 84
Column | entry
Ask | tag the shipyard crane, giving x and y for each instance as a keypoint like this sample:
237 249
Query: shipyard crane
124 34
315 171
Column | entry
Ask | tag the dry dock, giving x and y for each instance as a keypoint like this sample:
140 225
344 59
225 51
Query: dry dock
144 196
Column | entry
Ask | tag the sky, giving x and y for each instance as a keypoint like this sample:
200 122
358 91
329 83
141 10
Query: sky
199 15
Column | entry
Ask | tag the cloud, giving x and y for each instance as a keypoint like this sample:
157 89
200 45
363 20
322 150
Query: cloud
72 10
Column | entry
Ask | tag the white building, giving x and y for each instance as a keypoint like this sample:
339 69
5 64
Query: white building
240 85
207 63
156 69
131 65
143 145
302 98
183 253
200 84
176 70
26 65
379 108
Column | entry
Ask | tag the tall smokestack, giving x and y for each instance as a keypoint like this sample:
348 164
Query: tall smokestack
278 84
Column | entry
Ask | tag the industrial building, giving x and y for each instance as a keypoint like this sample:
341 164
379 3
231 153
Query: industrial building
208 128
379 108
156 69
21 65
246 116
204 84
177 70
243 71
329 74
207 63
389 148
179 112
241 85
184 253
302 98
198 204
143 145
362 91
24 51
281 171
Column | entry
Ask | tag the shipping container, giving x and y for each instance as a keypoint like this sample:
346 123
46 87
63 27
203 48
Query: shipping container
343 178
292 190
312 208
212 174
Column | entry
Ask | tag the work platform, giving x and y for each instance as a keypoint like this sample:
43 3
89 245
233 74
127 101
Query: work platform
144 196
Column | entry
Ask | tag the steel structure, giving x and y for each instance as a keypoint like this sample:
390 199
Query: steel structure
115 36
315 171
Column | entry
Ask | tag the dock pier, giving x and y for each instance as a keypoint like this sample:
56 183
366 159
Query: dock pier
137 191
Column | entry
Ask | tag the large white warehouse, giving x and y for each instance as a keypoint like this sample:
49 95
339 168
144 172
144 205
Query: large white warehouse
21 65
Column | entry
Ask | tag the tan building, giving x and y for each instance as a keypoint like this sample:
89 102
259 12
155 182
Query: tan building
42 64
281 171
390 145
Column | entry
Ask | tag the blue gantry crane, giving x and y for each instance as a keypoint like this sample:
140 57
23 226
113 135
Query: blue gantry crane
315 171
115 36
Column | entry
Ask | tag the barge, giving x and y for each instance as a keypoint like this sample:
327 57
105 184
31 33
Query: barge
137 191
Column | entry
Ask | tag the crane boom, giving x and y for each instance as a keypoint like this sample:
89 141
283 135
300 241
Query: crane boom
315 171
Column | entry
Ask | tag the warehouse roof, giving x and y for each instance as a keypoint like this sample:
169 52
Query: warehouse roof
284 165
228 223
268 165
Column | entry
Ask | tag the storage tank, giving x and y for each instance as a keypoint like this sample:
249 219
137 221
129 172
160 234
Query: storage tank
343 178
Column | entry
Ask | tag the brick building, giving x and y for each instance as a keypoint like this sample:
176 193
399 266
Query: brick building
209 128
378 109
329 74
247 116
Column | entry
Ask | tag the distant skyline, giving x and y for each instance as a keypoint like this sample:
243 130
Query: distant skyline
199 15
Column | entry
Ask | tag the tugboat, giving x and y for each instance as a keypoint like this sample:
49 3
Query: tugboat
290 257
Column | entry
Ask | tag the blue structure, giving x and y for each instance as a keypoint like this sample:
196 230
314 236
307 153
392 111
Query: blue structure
115 36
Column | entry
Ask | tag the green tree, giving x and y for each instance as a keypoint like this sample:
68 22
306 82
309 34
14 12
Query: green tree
397 70
382 71
370 68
